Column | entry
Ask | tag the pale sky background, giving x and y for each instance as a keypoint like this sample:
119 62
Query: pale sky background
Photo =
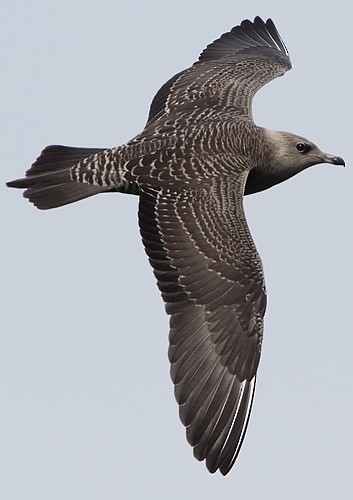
87 405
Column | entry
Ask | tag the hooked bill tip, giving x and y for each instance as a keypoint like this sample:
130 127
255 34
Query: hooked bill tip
337 160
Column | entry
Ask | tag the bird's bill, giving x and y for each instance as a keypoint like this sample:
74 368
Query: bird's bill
335 160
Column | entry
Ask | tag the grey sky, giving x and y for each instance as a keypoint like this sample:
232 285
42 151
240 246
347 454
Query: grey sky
88 410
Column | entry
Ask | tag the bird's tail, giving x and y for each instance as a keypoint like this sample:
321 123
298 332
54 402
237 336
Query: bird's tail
49 183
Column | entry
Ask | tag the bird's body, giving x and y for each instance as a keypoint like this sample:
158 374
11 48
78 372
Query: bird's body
198 154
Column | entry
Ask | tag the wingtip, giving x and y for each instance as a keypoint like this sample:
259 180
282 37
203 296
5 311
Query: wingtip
248 35
258 20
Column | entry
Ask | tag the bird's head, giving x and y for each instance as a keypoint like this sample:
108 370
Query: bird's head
286 155
290 153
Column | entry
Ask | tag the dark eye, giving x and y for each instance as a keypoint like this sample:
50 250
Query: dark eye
301 147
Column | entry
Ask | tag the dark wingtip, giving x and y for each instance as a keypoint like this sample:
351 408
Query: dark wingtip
256 34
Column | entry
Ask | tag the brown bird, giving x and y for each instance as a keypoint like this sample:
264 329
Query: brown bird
198 154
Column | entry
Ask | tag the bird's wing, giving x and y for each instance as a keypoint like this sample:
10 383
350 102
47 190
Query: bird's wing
228 73
211 280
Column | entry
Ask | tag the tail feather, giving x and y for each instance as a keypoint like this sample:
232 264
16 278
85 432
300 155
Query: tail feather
59 158
48 182
59 195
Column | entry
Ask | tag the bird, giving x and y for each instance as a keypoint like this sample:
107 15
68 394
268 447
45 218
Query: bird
198 155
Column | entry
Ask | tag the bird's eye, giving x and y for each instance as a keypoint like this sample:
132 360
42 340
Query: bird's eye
301 147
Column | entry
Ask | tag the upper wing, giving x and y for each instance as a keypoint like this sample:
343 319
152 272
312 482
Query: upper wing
211 279
228 73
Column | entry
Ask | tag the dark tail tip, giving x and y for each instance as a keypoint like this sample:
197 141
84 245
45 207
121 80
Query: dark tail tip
48 182
18 183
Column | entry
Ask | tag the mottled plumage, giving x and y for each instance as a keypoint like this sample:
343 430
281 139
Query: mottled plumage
198 154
